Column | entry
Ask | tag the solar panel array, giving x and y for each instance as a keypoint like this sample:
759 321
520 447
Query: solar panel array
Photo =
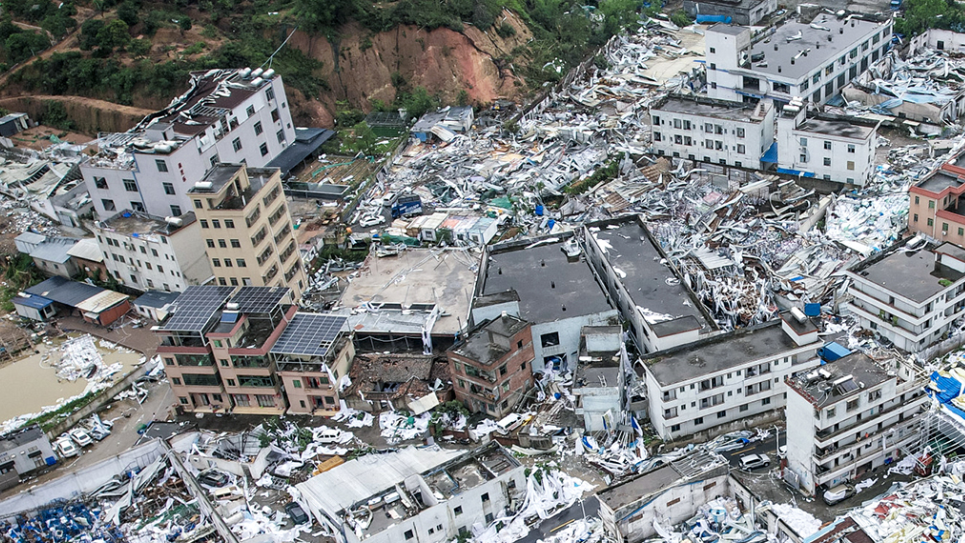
259 299
309 334
195 307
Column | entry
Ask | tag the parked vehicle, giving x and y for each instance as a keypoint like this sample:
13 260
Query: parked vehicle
838 494
213 477
66 448
754 461
98 432
80 437
371 220
296 513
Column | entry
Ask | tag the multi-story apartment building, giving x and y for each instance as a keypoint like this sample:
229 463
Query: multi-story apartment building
908 297
705 387
627 262
797 59
430 495
313 353
493 366
849 417
546 283
833 148
250 352
228 116
144 252
726 133
934 203
247 228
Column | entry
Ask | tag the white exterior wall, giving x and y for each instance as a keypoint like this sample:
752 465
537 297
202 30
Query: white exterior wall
675 505
686 135
686 396
570 331
725 77
596 403
950 41
180 261
851 159
886 427
474 510
910 325
190 162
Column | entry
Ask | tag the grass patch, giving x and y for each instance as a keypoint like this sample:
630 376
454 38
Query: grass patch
606 173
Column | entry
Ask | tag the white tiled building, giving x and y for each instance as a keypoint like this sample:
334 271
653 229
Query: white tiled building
849 417
910 298
704 388
149 253
226 116
832 148
726 133
811 60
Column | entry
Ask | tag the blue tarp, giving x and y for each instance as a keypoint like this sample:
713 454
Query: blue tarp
771 155
799 173
713 19
948 387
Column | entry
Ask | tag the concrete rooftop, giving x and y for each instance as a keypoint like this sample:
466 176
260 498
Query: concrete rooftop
914 275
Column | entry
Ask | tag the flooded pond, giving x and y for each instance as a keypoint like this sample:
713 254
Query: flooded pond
29 384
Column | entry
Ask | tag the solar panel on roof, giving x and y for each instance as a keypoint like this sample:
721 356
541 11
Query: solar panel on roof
309 334
259 299
846 387
195 307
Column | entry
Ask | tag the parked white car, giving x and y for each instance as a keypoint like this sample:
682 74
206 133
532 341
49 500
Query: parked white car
80 437
371 220
753 461
66 448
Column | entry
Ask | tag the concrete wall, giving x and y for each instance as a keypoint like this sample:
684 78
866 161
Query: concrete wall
634 523
569 331
72 484
102 399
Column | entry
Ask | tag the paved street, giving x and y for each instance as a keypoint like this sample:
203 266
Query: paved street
562 519
766 446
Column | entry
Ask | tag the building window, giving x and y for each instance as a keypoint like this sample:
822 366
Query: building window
270 94
804 142
457 510
766 401
721 414
100 182
916 218
214 160
743 408
137 206
852 405
550 340
263 149
712 50
222 243
130 185
183 400
850 147
258 129
235 244
931 222
274 115
827 161
740 148
176 380
297 383
851 165
698 421
916 200
236 144
675 428
740 132
216 262
227 263
240 262
485 497
229 223
176 211
804 158
168 188
108 205
281 136
215 223
162 166
265 400
408 535
210 243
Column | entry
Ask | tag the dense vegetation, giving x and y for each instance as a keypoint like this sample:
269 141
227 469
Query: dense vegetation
117 49
920 15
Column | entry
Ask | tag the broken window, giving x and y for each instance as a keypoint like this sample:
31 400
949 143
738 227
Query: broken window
550 340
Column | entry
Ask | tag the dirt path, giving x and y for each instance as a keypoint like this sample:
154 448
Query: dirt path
91 102
58 47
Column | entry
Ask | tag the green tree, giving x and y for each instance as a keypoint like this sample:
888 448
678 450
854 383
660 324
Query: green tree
184 23
127 12
139 47
362 140
920 15
320 15
23 45
114 34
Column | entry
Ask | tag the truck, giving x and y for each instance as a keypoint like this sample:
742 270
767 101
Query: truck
406 204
